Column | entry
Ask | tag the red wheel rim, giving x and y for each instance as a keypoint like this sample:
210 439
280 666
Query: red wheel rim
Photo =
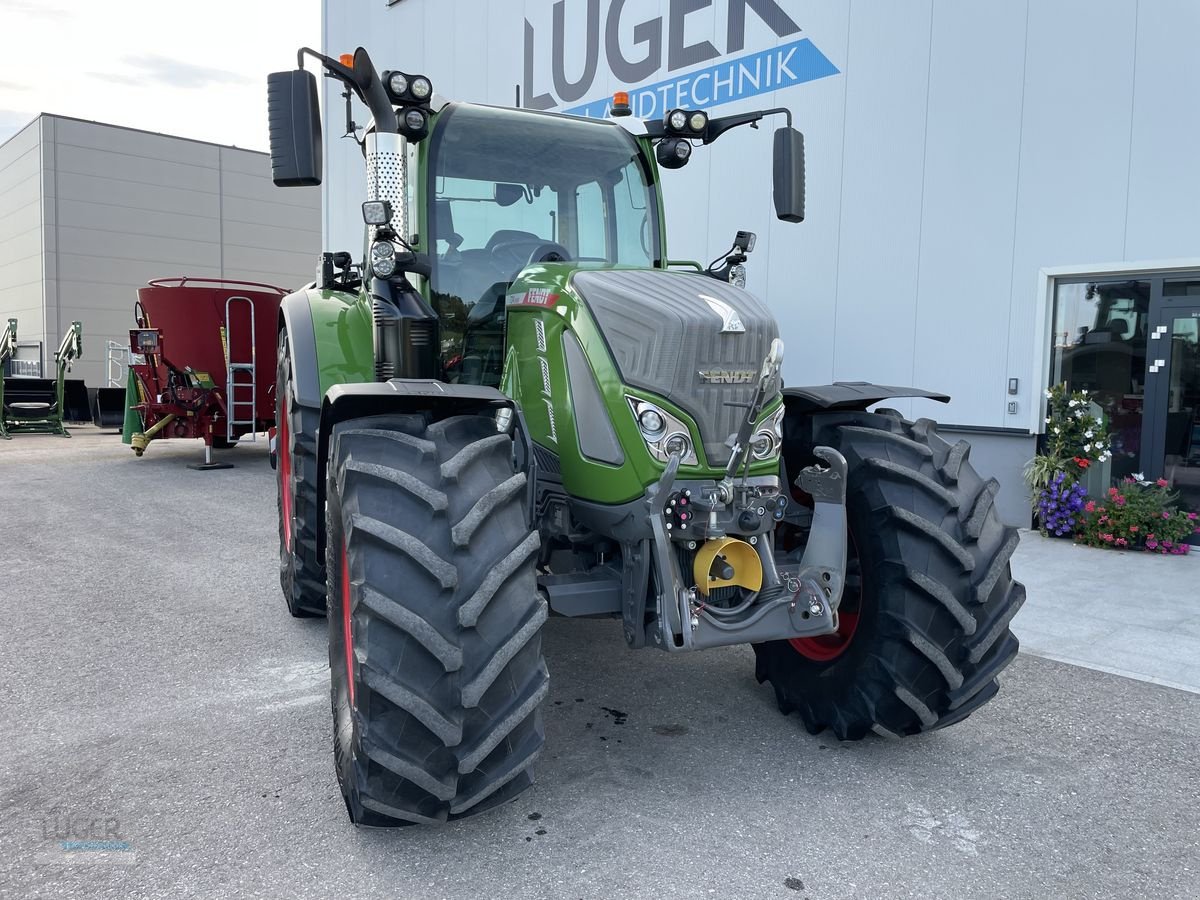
828 646
347 639
283 442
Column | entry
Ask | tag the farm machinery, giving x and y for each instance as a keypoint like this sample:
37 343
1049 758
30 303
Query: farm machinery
42 415
195 370
516 405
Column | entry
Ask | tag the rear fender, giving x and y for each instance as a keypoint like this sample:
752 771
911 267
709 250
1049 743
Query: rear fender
439 399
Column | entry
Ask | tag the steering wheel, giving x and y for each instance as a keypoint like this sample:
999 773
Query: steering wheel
542 251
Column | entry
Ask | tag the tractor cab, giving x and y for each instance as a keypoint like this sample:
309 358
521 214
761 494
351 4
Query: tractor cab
507 189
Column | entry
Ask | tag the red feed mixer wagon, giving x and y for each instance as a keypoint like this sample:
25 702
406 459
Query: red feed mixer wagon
196 370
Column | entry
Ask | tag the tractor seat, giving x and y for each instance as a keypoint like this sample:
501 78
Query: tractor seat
34 408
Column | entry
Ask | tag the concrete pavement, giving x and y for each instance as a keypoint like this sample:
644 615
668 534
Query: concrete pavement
156 693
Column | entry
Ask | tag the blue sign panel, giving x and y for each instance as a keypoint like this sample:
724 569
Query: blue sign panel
725 82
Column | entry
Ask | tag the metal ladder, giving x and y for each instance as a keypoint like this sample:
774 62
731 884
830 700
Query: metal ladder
240 379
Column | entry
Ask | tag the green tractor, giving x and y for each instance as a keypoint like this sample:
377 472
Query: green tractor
518 405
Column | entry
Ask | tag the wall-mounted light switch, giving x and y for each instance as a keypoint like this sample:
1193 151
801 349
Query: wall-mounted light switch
1013 385
1012 407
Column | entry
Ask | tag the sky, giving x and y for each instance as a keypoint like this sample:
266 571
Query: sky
196 69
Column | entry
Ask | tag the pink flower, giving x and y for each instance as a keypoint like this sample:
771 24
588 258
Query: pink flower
1121 542
1151 545
1112 492
1107 537
1191 517
1166 515
1091 507
1133 528
1120 501
1162 482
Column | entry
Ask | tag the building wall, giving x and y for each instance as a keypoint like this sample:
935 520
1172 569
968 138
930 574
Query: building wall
120 207
21 234
960 148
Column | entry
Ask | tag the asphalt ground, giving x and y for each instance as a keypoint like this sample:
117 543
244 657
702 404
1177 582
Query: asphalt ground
156 696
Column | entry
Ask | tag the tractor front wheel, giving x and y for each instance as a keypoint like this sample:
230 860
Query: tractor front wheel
929 593
301 569
435 621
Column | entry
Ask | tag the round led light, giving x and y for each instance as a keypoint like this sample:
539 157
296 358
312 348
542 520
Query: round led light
677 443
737 275
383 259
398 83
699 121
683 149
762 446
414 119
677 120
421 88
651 421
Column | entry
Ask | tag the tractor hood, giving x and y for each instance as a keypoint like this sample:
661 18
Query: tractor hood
690 339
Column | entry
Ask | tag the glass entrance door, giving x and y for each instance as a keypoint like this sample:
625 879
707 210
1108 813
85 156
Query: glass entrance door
1173 392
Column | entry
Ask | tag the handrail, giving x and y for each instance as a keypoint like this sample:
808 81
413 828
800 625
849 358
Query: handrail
183 282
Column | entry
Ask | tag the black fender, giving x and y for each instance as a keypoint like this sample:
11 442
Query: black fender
400 396
296 317
849 395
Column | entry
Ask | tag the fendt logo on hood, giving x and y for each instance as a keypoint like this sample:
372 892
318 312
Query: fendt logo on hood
731 79
731 322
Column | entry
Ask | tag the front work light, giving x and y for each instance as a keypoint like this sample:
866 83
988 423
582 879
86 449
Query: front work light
421 88
414 124
687 123
377 212
673 153
406 90
383 259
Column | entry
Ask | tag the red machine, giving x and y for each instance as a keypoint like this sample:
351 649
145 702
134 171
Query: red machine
200 375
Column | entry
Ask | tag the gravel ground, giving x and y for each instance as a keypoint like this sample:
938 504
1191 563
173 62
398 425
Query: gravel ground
155 693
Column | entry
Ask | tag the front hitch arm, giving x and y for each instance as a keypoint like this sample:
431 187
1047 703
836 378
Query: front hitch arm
822 572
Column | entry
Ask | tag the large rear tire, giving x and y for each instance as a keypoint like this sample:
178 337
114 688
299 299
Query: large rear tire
435 654
929 592
301 569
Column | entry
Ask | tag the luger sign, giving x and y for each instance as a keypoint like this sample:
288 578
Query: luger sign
660 45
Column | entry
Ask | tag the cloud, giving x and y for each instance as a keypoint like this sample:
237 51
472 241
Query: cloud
13 86
28 8
162 70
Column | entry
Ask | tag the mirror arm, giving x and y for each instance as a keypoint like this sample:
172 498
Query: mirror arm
717 127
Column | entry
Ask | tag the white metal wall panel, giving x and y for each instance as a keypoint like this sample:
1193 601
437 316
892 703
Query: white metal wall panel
882 165
21 233
1164 168
972 146
1074 167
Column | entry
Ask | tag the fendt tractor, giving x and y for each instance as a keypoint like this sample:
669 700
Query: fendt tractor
517 404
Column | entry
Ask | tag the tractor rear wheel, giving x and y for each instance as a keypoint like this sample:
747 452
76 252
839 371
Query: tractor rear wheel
929 592
301 569
435 653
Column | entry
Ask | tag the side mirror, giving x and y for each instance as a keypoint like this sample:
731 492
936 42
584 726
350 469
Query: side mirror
789 175
294 116
508 194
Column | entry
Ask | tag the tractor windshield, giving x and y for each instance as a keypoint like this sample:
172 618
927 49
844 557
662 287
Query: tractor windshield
511 188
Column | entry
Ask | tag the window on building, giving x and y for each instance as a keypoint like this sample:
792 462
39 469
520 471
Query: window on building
1100 346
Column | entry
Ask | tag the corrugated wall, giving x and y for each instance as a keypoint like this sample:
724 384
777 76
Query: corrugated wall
21 235
121 206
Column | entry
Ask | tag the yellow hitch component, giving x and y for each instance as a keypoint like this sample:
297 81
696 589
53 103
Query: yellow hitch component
141 441
738 555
